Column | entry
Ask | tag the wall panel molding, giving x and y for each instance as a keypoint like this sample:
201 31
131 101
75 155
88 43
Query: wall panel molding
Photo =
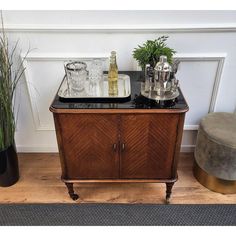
64 56
32 92
219 58
115 28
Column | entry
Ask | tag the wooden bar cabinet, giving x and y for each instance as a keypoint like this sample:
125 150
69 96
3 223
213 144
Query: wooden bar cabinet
135 141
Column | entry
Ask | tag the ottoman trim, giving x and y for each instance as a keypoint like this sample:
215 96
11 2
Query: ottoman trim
213 183
216 159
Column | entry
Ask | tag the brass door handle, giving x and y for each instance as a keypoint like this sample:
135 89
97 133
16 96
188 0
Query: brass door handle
123 146
114 147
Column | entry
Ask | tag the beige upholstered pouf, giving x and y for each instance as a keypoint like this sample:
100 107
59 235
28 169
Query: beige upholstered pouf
215 152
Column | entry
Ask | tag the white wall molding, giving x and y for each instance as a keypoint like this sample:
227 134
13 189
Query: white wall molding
32 92
219 58
200 56
115 28
64 56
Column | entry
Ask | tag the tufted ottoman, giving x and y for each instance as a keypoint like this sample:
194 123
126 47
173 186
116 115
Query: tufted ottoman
215 152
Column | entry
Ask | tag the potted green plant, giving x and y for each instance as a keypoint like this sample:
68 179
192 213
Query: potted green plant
151 50
10 75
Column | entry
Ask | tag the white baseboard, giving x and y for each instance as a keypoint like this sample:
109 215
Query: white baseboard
34 149
187 148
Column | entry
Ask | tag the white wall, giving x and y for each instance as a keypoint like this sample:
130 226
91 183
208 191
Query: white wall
205 42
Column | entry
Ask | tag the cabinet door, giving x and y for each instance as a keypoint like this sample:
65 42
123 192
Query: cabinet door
89 146
148 144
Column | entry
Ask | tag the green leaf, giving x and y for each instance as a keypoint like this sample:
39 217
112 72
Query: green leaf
151 50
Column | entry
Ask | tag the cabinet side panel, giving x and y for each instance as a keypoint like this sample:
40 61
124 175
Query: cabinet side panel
60 144
178 144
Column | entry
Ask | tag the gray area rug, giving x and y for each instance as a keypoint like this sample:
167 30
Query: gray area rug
117 214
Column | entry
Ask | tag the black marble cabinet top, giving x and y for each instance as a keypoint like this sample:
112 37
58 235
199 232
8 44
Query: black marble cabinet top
137 101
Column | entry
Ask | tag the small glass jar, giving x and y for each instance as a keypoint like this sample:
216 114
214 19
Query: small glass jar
76 73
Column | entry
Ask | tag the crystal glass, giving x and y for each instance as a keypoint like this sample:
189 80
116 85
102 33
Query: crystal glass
76 74
96 71
95 76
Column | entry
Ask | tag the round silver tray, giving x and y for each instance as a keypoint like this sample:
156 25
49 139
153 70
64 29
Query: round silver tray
169 95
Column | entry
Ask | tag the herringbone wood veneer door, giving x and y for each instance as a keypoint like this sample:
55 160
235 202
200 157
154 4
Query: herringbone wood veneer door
90 142
148 144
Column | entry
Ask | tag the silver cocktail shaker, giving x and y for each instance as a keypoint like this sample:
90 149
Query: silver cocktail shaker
162 76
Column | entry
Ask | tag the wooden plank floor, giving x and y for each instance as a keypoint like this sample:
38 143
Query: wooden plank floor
40 183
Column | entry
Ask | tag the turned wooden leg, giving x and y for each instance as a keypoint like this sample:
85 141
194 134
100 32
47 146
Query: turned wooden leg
168 191
71 192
